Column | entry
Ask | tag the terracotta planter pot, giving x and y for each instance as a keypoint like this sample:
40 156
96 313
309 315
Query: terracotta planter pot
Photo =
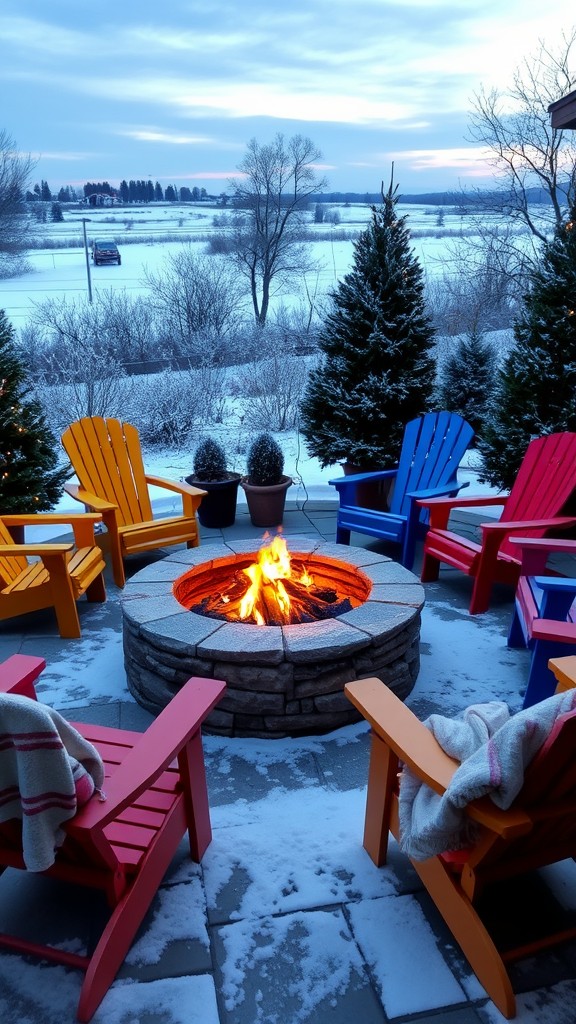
218 508
266 504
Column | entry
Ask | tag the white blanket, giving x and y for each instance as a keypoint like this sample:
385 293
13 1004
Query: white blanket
494 749
42 758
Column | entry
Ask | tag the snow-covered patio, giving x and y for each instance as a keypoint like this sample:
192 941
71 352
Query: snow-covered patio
286 920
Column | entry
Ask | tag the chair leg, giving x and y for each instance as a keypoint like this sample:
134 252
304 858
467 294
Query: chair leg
469 932
97 589
125 920
342 535
481 591
63 597
430 569
541 681
516 636
118 567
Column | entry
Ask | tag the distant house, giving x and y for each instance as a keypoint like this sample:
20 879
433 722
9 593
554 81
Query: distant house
563 111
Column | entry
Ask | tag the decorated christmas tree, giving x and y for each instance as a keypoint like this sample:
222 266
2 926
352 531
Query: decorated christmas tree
30 480
535 392
377 371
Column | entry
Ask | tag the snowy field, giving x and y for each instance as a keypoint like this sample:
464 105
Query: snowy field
59 272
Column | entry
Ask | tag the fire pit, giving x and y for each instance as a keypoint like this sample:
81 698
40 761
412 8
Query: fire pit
351 613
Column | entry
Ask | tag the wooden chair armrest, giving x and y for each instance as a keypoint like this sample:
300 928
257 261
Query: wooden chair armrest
550 544
472 501
421 496
547 629
410 740
49 518
528 524
92 500
163 740
18 673
38 550
560 584
565 670
358 478
179 486
509 823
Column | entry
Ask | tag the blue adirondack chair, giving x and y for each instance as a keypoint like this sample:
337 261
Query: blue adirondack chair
544 617
432 448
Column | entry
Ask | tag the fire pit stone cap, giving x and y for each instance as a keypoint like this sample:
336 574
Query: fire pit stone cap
234 639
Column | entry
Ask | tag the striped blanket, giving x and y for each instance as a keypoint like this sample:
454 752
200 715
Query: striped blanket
494 750
46 769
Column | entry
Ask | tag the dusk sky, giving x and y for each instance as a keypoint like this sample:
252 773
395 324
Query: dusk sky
173 91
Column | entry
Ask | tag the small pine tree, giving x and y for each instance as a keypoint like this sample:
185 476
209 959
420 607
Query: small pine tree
535 393
265 461
466 379
377 372
56 214
29 478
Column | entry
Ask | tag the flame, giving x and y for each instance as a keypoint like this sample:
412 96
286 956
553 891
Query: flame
266 592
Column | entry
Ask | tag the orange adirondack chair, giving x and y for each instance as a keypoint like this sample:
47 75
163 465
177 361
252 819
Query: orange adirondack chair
107 459
537 830
544 483
63 573
155 791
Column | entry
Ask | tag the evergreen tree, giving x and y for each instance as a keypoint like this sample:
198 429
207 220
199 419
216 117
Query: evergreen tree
466 379
56 214
158 192
29 478
535 393
377 372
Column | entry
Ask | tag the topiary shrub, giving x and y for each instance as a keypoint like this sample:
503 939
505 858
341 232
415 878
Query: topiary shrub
265 462
210 461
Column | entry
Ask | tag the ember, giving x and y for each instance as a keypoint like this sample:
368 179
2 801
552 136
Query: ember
274 589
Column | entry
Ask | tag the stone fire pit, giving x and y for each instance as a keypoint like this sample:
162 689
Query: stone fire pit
282 680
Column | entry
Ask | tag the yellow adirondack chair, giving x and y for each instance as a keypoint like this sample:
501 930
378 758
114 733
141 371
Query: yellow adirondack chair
107 459
60 574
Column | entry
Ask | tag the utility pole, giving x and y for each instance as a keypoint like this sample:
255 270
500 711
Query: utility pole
84 219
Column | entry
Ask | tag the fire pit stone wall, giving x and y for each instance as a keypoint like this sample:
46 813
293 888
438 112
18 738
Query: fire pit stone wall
282 680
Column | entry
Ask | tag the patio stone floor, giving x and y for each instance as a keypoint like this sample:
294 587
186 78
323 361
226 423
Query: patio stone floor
230 964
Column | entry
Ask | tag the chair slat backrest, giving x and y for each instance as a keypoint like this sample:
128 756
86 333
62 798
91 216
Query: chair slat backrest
10 565
107 459
543 485
432 449
552 774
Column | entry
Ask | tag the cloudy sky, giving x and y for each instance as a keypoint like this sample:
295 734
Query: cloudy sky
173 91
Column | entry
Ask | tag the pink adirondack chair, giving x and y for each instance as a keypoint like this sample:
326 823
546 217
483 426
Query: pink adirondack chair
544 483
155 791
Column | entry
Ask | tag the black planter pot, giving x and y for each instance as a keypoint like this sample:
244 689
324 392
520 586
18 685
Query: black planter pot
218 508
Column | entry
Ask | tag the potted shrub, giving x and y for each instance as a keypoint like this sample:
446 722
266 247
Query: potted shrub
211 474
265 484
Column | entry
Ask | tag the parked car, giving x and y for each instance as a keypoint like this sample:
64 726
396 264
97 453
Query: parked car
104 250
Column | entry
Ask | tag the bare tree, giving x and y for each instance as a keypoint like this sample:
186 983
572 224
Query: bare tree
197 297
15 170
527 153
277 182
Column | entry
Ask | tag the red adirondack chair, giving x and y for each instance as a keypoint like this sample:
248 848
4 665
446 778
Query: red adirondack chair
155 791
538 829
544 483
